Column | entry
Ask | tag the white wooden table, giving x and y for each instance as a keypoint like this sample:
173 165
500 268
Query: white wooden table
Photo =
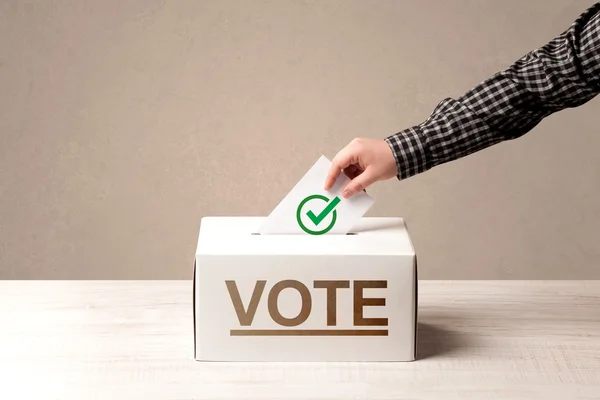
131 339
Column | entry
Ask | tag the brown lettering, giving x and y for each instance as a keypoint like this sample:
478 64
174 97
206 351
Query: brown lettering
332 287
360 302
274 308
245 316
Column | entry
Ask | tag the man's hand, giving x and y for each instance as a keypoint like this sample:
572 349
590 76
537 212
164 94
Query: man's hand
364 161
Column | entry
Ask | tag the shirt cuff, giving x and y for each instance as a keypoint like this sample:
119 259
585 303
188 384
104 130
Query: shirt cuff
409 150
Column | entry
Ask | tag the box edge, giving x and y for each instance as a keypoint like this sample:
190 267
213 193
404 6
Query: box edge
416 291
416 308
194 309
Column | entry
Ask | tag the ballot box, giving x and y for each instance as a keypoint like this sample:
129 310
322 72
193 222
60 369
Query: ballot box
290 297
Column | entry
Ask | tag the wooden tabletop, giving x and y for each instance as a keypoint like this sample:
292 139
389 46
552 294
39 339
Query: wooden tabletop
132 339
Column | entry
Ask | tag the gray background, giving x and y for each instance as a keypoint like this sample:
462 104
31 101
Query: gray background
123 123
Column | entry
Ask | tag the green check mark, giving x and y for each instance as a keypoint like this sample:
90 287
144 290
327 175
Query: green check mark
317 219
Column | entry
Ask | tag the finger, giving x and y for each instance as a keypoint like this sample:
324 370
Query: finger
339 162
361 182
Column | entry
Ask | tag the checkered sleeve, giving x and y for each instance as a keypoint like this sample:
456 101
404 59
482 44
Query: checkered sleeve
562 74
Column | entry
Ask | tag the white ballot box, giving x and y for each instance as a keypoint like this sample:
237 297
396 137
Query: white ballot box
293 297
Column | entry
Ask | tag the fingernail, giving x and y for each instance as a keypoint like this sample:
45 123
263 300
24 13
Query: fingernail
346 193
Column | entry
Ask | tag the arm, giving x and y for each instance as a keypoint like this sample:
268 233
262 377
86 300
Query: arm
564 73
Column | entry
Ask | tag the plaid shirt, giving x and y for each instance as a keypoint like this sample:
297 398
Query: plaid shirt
564 73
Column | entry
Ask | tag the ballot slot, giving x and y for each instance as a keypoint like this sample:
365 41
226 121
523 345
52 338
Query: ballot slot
345 234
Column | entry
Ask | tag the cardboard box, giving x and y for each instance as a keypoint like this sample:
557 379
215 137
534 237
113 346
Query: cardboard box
304 298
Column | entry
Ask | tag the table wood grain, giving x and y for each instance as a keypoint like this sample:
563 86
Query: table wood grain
134 339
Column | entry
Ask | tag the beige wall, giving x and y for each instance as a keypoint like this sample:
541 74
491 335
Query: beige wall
123 123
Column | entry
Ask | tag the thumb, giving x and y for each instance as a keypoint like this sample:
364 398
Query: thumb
361 182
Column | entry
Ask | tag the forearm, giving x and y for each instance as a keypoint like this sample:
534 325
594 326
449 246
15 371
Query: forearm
562 74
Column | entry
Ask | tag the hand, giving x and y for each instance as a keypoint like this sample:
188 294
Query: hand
364 161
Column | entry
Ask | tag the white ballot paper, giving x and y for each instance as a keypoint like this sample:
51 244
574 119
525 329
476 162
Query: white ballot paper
309 209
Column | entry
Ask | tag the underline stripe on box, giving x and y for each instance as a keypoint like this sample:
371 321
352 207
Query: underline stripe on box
309 332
